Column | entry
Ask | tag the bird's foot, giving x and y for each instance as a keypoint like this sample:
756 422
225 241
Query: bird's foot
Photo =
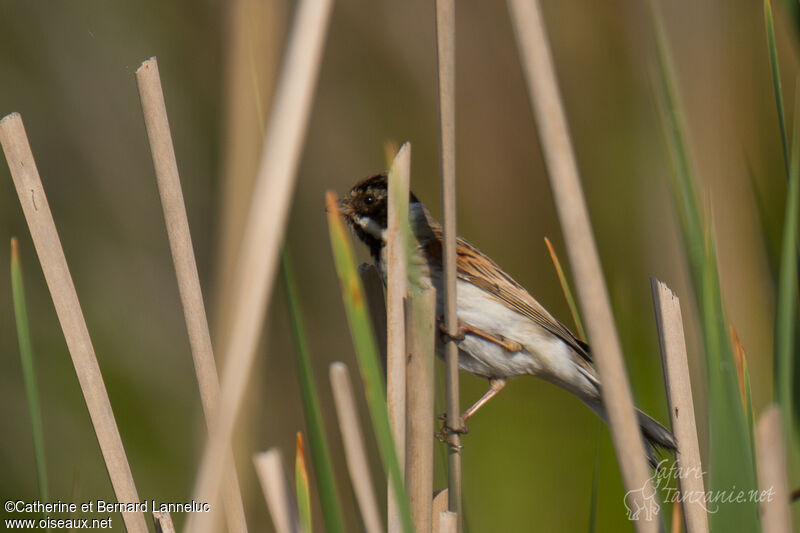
508 345
458 336
446 430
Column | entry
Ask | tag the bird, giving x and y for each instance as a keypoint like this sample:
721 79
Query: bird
503 331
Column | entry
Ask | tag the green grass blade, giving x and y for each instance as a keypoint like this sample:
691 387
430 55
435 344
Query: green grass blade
785 348
748 403
318 444
562 278
731 461
732 465
367 354
301 486
769 23
768 226
744 382
682 185
786 311
28 369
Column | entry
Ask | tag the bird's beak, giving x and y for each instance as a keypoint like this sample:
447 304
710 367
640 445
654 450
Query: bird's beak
344 207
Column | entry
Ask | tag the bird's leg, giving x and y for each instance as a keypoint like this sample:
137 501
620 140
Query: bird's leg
464 329
495 386
459 334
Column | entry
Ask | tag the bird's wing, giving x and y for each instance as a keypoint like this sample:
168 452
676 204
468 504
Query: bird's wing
477 268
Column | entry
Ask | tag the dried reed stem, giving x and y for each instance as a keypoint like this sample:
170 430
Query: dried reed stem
551 121
354 448
376 301
448 522
263 234
681 405
163 522
420 342
252 45
446 61
396 288
62 290
776 513
180 242
277 492
439 507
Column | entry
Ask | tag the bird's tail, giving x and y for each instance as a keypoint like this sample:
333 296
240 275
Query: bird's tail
656 436
589 390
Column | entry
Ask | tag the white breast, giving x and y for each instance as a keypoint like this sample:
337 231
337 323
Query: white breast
543 354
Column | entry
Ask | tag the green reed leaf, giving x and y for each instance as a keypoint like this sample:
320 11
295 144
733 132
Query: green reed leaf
731 461
317 440
367 354
28 369
301 486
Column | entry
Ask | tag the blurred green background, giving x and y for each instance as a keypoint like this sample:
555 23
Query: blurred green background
530 456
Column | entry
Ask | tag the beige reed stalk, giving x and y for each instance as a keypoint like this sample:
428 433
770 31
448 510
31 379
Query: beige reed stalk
277 492
448 522
180 241
776 511
439 508
355 451
420 342
263 235
253 32
163 522
396 289
551 122
62 290
446 62
681 405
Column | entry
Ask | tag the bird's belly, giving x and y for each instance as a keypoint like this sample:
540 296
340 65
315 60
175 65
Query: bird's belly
542 353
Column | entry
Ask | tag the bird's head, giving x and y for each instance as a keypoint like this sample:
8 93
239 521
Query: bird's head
366 208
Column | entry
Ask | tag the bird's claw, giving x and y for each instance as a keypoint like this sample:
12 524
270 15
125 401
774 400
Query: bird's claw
446 430
445 333
441 435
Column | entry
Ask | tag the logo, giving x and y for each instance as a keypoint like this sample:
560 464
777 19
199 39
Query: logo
642 503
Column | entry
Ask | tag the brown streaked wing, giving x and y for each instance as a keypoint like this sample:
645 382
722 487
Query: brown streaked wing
477 268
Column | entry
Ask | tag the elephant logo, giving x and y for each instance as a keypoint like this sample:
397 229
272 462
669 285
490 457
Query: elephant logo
640 501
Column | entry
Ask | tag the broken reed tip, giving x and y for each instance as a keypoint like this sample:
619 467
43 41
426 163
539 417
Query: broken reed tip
14 115
146 64
404 148
657 284
337 367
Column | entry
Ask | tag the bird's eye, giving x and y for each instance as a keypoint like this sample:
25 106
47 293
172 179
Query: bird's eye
369 200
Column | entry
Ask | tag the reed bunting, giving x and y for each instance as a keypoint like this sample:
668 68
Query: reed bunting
503 331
